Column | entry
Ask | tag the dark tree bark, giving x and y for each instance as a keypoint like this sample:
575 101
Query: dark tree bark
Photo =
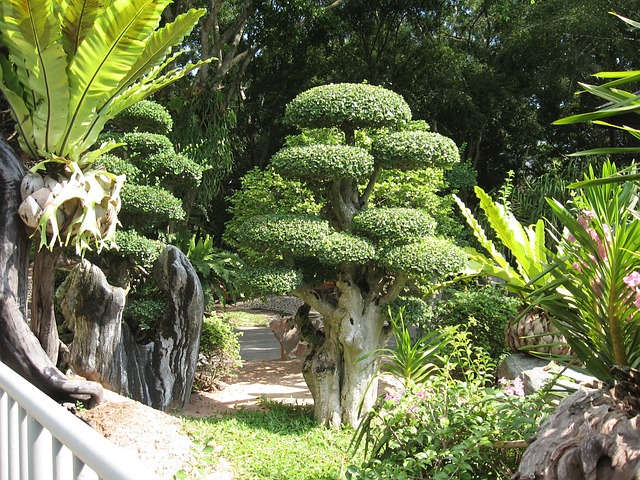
158 373
43 319
19 347
592 435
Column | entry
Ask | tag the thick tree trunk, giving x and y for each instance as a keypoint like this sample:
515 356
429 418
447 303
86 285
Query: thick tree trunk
19 348
592 435
43 319
341 370
158 373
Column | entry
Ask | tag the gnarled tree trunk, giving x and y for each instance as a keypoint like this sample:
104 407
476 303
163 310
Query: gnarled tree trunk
158 373
341 369
592 435
19 348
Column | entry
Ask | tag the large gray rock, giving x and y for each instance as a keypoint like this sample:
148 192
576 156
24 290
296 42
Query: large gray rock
158 373
536 372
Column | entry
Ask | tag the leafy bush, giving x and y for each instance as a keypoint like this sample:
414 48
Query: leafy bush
451 425
323 162
219 356
143 143
358 105
148 205
144 309
393 225
142 250
169 169
428 258
482 311
145 116
119 166
408 150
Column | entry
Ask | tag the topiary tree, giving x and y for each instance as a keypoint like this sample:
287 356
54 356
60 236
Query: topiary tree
367 254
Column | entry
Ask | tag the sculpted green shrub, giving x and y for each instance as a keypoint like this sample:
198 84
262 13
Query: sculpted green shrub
145 116
219 357
350 258
356 105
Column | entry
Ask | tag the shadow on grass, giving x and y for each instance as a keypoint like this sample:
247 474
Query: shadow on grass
278 441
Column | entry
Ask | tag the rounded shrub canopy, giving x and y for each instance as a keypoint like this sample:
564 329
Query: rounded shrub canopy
298 235
268 280
323 162
429 257
392 226
413 149
342 248
347 104
145 116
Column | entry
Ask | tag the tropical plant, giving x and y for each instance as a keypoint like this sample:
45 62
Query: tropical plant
219 356
527 248
71 66
453 423
594 295
525 244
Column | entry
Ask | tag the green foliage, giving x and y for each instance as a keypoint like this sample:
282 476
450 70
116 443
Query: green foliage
269 443
266 192
342 248
150 207
262 280
445 425
594 296
119 166
216 268
145 309
169 169
462 176
410 362
299 235
145 116
619 103
482 311
142 250
146 144
316 136
72 67
407 150
347 104
432 258
392 226
525 244
323 162
415 311
219 356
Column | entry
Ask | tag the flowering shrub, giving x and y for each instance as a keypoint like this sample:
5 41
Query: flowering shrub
594 296
455 424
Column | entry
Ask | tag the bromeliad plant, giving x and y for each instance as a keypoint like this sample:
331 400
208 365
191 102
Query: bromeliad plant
533 329
595 294
72 66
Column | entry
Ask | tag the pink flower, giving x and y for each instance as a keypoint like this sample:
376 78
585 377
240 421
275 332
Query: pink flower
633 279
636 302
586 217
514 388
394 395
421 395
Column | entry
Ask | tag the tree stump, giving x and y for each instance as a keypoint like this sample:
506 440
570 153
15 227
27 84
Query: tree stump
158 373
592 435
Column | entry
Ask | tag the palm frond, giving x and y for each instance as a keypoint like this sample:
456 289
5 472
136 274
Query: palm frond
105 57
77 18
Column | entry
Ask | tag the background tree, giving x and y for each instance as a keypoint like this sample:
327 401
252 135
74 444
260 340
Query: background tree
370 254
69 69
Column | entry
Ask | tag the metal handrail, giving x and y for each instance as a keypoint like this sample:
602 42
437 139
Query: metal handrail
41 440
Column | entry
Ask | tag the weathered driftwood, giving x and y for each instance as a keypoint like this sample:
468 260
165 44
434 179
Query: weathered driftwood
592 435
158 373
19 348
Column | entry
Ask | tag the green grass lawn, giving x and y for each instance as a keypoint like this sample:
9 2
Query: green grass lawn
277 443
243 318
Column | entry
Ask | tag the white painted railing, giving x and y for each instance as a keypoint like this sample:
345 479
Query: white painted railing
41 440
